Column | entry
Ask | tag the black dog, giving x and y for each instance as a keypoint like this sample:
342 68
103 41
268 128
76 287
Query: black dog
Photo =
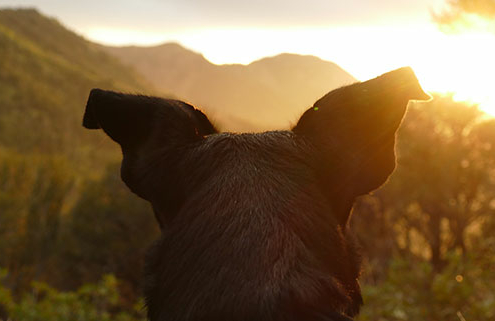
254 225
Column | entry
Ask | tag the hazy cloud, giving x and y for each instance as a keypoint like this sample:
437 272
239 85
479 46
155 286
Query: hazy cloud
458 11
166 15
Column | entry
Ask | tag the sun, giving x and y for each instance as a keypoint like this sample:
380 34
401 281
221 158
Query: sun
464 65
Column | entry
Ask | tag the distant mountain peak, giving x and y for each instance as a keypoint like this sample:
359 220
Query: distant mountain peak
164 46
47 72
23 10
269 93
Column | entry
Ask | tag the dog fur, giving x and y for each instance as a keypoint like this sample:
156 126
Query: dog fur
254 225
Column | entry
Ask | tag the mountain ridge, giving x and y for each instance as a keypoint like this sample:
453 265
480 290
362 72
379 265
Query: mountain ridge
284 85
46 73
42 60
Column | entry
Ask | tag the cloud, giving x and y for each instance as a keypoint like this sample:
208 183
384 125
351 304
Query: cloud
168 16
460 13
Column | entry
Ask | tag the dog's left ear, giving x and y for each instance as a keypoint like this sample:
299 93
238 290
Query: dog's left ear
352 130
155 135
130 119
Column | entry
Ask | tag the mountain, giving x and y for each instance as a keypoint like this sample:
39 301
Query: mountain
65 215
270 93
46 73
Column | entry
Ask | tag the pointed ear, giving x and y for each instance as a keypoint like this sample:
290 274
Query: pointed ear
128 119
353 132
154 134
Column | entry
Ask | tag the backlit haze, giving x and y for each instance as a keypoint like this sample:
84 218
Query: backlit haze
366 38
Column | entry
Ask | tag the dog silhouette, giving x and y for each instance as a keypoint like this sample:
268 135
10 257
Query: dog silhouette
254 225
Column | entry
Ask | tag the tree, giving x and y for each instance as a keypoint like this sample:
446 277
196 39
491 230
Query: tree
100 301
443 186
34 192
108 232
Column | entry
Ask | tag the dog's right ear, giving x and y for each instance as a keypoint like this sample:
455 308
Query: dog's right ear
154 134
352 130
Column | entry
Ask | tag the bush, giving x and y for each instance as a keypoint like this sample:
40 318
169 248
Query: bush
91 302
463 290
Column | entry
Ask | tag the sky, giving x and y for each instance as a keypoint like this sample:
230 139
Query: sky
365 37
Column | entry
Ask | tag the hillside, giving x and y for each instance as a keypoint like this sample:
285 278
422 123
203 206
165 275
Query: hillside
267 94
66 216
46 72
55 181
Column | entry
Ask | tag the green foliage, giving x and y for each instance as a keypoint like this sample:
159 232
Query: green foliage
51 167
91 302
442 187
108 214
413 291
55 228
46 73
34 192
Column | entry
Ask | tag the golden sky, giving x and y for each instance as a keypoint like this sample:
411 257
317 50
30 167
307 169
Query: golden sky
365 37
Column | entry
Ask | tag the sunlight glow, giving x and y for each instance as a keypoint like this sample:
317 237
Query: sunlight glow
123 37
462 64
469 23
459 63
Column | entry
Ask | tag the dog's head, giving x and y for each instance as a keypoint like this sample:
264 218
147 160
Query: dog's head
253 225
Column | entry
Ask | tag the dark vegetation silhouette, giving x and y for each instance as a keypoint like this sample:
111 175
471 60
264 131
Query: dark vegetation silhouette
254 226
